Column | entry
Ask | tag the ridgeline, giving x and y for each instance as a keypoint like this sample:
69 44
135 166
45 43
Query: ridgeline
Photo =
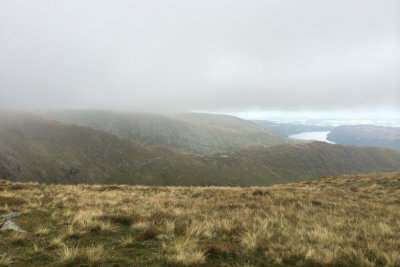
34 149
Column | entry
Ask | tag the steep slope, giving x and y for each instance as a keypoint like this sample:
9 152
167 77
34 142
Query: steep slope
32 149
191 132
366 135
39 150
286 129
317 159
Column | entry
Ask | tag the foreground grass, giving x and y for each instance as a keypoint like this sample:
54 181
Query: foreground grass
347 220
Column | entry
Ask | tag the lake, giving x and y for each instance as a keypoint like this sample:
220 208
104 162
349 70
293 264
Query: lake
316 135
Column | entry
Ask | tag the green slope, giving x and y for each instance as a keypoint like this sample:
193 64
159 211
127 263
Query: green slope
366 135
190 132
33 149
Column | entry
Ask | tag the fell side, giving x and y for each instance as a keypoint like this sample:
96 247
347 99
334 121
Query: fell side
187 132
33 149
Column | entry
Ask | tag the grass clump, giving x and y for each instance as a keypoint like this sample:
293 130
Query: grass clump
42 230
185 251
69 255
6 261
74 255
127 241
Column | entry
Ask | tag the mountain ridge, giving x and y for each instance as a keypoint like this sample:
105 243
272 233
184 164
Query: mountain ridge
33 149
198 133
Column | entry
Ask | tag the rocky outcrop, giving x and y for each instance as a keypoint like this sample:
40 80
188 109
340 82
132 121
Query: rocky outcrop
10 225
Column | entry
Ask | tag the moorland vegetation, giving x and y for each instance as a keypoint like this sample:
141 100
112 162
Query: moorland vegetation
349 220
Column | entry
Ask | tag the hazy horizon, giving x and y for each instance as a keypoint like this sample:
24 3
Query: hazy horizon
231 57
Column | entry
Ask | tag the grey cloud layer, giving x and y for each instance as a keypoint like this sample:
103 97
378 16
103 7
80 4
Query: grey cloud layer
191 55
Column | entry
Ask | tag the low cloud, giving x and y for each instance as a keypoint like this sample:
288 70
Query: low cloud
200 55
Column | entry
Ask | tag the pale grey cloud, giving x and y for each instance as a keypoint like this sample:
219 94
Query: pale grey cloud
200 55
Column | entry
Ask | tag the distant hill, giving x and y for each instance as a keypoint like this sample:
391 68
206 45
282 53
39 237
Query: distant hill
366 135
190 132
33 149
286 129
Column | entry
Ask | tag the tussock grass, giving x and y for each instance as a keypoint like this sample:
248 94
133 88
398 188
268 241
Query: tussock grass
75 255
18 237
6 261
94 253
140 226
184 251
42 230
349 220
127 241
69 254
57 241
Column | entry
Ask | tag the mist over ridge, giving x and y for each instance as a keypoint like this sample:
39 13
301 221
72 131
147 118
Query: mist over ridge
199 133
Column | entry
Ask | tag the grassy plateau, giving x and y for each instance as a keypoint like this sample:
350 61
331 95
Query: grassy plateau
348 220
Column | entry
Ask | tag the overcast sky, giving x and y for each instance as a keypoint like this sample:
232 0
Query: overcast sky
200 55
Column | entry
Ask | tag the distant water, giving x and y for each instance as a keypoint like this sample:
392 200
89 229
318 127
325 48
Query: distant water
317 136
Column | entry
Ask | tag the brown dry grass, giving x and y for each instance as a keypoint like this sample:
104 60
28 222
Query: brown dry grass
347 221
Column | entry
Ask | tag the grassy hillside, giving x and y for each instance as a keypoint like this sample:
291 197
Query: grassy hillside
48 151
286 129
33 149
338 221
366 135
191 132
